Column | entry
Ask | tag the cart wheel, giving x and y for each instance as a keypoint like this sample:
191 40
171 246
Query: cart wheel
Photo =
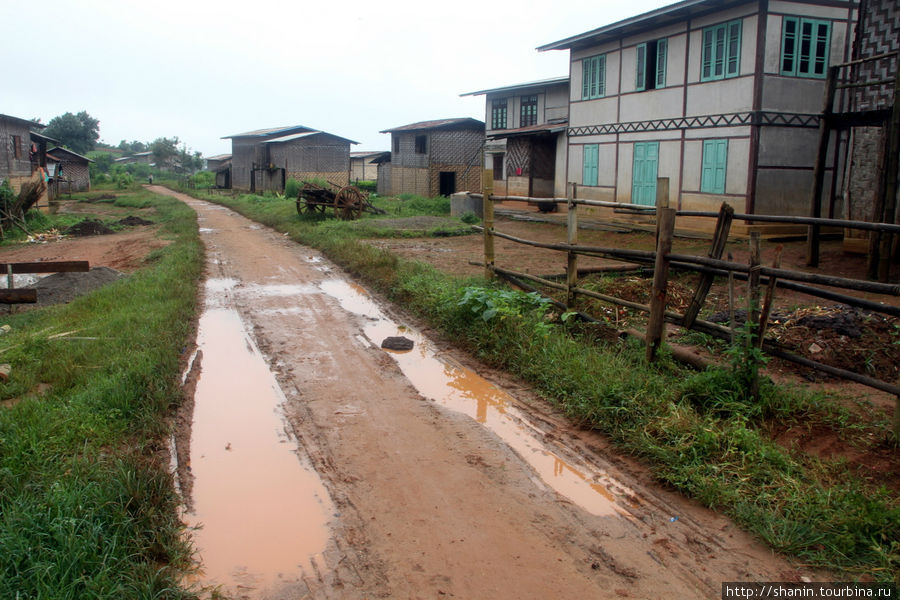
348 203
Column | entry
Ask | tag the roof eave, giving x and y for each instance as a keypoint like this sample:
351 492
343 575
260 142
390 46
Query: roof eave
520 86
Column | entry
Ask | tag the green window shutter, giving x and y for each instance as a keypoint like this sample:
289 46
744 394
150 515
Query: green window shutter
719 52
714 166
601 76
590 166
662 51
640 75
706 69
822 41
645 167
789 46
586 79
733 50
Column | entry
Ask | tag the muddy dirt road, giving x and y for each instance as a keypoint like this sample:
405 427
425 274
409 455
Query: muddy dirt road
409 476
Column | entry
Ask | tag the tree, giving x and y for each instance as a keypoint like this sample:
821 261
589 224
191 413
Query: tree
78 133
132 147
164 151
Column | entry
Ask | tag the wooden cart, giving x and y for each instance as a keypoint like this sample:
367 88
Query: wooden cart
348 201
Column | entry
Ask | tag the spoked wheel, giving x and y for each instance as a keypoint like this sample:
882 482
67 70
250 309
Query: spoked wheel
309 207
348 203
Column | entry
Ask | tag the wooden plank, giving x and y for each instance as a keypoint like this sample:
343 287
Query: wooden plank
487 209
659 294
720 237
815 200
770 295
59 266
571 257
18 296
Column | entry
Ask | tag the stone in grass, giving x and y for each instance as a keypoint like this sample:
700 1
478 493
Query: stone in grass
397 343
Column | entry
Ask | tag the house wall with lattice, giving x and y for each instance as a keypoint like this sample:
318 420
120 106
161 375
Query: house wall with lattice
878 33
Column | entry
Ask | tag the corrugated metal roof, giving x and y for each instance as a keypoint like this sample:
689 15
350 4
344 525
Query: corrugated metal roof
660 17
368 154
438 124
42 137
297 136
67 151
20 121
521 86
219 157
270 131
543 128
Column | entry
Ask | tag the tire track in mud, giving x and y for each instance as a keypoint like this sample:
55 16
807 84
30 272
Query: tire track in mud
429 502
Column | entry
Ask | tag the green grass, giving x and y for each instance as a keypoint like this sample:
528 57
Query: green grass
87 508
697 432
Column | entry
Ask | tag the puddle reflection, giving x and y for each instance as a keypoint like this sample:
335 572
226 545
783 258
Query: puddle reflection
262 514
464 391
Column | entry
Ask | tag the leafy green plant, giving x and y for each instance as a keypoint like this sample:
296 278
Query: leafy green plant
124 181
493 303
292 188
470 218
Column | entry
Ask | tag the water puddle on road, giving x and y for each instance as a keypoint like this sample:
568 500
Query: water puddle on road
260 508
463 390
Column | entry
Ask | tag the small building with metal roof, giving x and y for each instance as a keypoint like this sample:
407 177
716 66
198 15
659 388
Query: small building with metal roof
439 157
526 137
265 159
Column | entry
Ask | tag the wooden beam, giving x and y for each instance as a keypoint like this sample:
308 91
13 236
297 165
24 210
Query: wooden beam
18 296
815 200
659 292
60 266
720 237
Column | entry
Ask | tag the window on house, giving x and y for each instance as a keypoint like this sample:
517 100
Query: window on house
715 161
528 111
721 56
421 142
17 146
593 78
650 69
498 167
396 144
805 45
498 114
590 164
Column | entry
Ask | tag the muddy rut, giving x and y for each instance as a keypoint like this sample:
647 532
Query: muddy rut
398 485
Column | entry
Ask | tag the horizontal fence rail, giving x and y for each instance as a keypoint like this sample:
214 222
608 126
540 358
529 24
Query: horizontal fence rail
709 267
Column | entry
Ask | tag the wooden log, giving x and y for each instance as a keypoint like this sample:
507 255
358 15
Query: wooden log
730 301
878 307
753 310
843 223
815 200
18 296
571 257
682 354
658 295
720 237
50 266
618 253
840 282
488 219
892 167
770 295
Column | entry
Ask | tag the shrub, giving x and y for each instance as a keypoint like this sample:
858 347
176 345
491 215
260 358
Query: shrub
292 188
124 181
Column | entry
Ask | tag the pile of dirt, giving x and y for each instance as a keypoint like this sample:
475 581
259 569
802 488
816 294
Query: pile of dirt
133 221
61 288
88 227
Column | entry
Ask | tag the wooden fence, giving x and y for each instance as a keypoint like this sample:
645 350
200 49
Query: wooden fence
762 280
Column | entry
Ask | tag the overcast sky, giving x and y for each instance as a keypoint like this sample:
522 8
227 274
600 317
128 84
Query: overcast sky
203 69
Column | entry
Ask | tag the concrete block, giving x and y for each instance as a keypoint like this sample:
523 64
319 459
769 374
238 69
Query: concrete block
462 202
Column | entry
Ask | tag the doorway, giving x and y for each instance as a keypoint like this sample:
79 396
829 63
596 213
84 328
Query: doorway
447 183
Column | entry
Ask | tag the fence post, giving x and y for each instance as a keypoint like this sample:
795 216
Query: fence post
665 230
487 207
753 294
572 257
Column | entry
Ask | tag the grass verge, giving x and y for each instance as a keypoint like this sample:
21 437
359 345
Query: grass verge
87 508
696 430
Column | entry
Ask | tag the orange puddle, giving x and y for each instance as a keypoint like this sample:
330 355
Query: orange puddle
463 390
262 512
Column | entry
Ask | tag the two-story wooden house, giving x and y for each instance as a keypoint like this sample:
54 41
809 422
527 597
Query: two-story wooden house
525 134
264 159
23 155
720 96
432 158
